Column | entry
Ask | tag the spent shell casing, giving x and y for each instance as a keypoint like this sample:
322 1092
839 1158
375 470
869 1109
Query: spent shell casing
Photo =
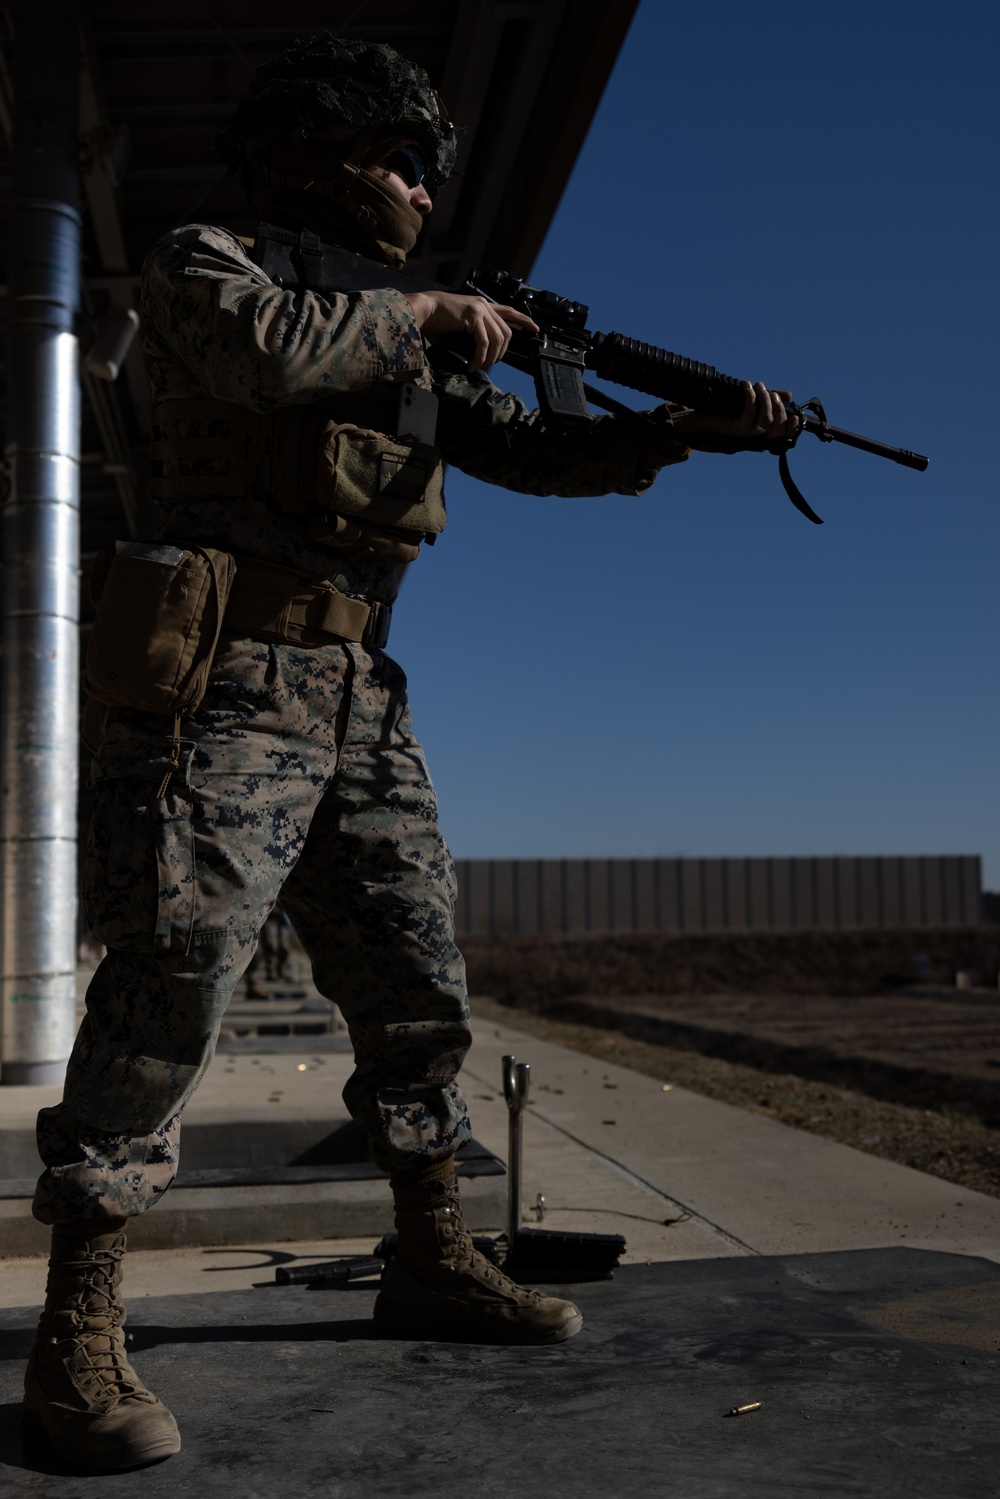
743 1410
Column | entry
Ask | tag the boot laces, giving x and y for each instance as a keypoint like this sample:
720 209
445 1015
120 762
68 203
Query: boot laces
110 1362
96 1300
468 1259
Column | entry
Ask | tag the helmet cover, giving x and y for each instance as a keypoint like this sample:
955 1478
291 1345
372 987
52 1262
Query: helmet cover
322 86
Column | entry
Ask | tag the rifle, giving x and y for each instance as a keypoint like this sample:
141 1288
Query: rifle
563 349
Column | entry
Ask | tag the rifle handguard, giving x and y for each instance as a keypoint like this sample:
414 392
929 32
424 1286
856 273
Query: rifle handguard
671 377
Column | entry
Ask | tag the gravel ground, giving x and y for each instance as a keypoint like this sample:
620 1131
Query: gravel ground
952 1146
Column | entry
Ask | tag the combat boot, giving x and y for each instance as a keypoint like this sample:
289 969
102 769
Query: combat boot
79 1386
438 1285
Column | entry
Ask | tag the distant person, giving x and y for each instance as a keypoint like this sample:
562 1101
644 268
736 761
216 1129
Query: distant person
272 954
299 774
277 936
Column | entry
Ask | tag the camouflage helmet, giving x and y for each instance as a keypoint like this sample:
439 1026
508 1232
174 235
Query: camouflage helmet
322 84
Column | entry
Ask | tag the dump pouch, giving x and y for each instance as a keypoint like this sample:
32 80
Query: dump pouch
159 614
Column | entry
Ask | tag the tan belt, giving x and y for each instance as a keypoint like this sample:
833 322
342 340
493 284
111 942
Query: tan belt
280 604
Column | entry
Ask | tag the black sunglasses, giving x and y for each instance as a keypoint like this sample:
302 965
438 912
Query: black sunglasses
408 163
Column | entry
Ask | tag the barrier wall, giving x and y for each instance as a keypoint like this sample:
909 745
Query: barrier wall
576 897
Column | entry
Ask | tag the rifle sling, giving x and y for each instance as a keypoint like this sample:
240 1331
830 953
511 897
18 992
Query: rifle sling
793 491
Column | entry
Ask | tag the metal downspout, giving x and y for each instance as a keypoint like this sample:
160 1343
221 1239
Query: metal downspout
41 554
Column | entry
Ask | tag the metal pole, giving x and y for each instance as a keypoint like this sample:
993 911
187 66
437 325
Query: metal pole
516 1079
41 554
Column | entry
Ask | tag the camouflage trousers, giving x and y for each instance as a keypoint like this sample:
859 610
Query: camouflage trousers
299 776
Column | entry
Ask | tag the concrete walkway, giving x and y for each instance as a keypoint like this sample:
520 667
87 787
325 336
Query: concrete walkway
681 1176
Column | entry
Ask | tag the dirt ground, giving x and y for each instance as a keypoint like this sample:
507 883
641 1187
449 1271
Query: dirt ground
946 1144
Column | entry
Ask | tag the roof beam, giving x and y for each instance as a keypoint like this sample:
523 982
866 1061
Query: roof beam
262 41
579 65
500 51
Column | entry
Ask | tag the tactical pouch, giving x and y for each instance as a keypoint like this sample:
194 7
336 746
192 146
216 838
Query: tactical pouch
366 474
159 614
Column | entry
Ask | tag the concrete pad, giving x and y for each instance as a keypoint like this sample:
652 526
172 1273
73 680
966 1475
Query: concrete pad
240 1215
256 1093
875 1371
584 1192
752 1182
680 1176
249 1110
19 1108
277 1086
199 1270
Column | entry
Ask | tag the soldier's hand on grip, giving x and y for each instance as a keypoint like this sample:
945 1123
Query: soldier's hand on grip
441 314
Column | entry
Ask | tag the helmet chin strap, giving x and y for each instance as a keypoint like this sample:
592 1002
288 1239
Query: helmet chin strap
333 197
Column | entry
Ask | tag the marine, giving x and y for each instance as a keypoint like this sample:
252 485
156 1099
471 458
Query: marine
252 736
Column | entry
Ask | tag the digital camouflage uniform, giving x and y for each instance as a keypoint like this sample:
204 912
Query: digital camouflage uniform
299 772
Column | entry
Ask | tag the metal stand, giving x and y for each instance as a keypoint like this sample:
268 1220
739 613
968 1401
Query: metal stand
539 1253
516 1082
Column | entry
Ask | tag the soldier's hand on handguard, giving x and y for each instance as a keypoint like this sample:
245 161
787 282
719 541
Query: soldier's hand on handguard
763 417
441 314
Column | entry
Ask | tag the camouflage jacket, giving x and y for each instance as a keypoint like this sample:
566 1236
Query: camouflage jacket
216 326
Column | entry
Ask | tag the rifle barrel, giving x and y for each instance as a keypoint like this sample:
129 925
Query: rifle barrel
826 433
672 377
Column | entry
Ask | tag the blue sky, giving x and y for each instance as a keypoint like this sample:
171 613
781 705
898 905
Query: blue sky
804 197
